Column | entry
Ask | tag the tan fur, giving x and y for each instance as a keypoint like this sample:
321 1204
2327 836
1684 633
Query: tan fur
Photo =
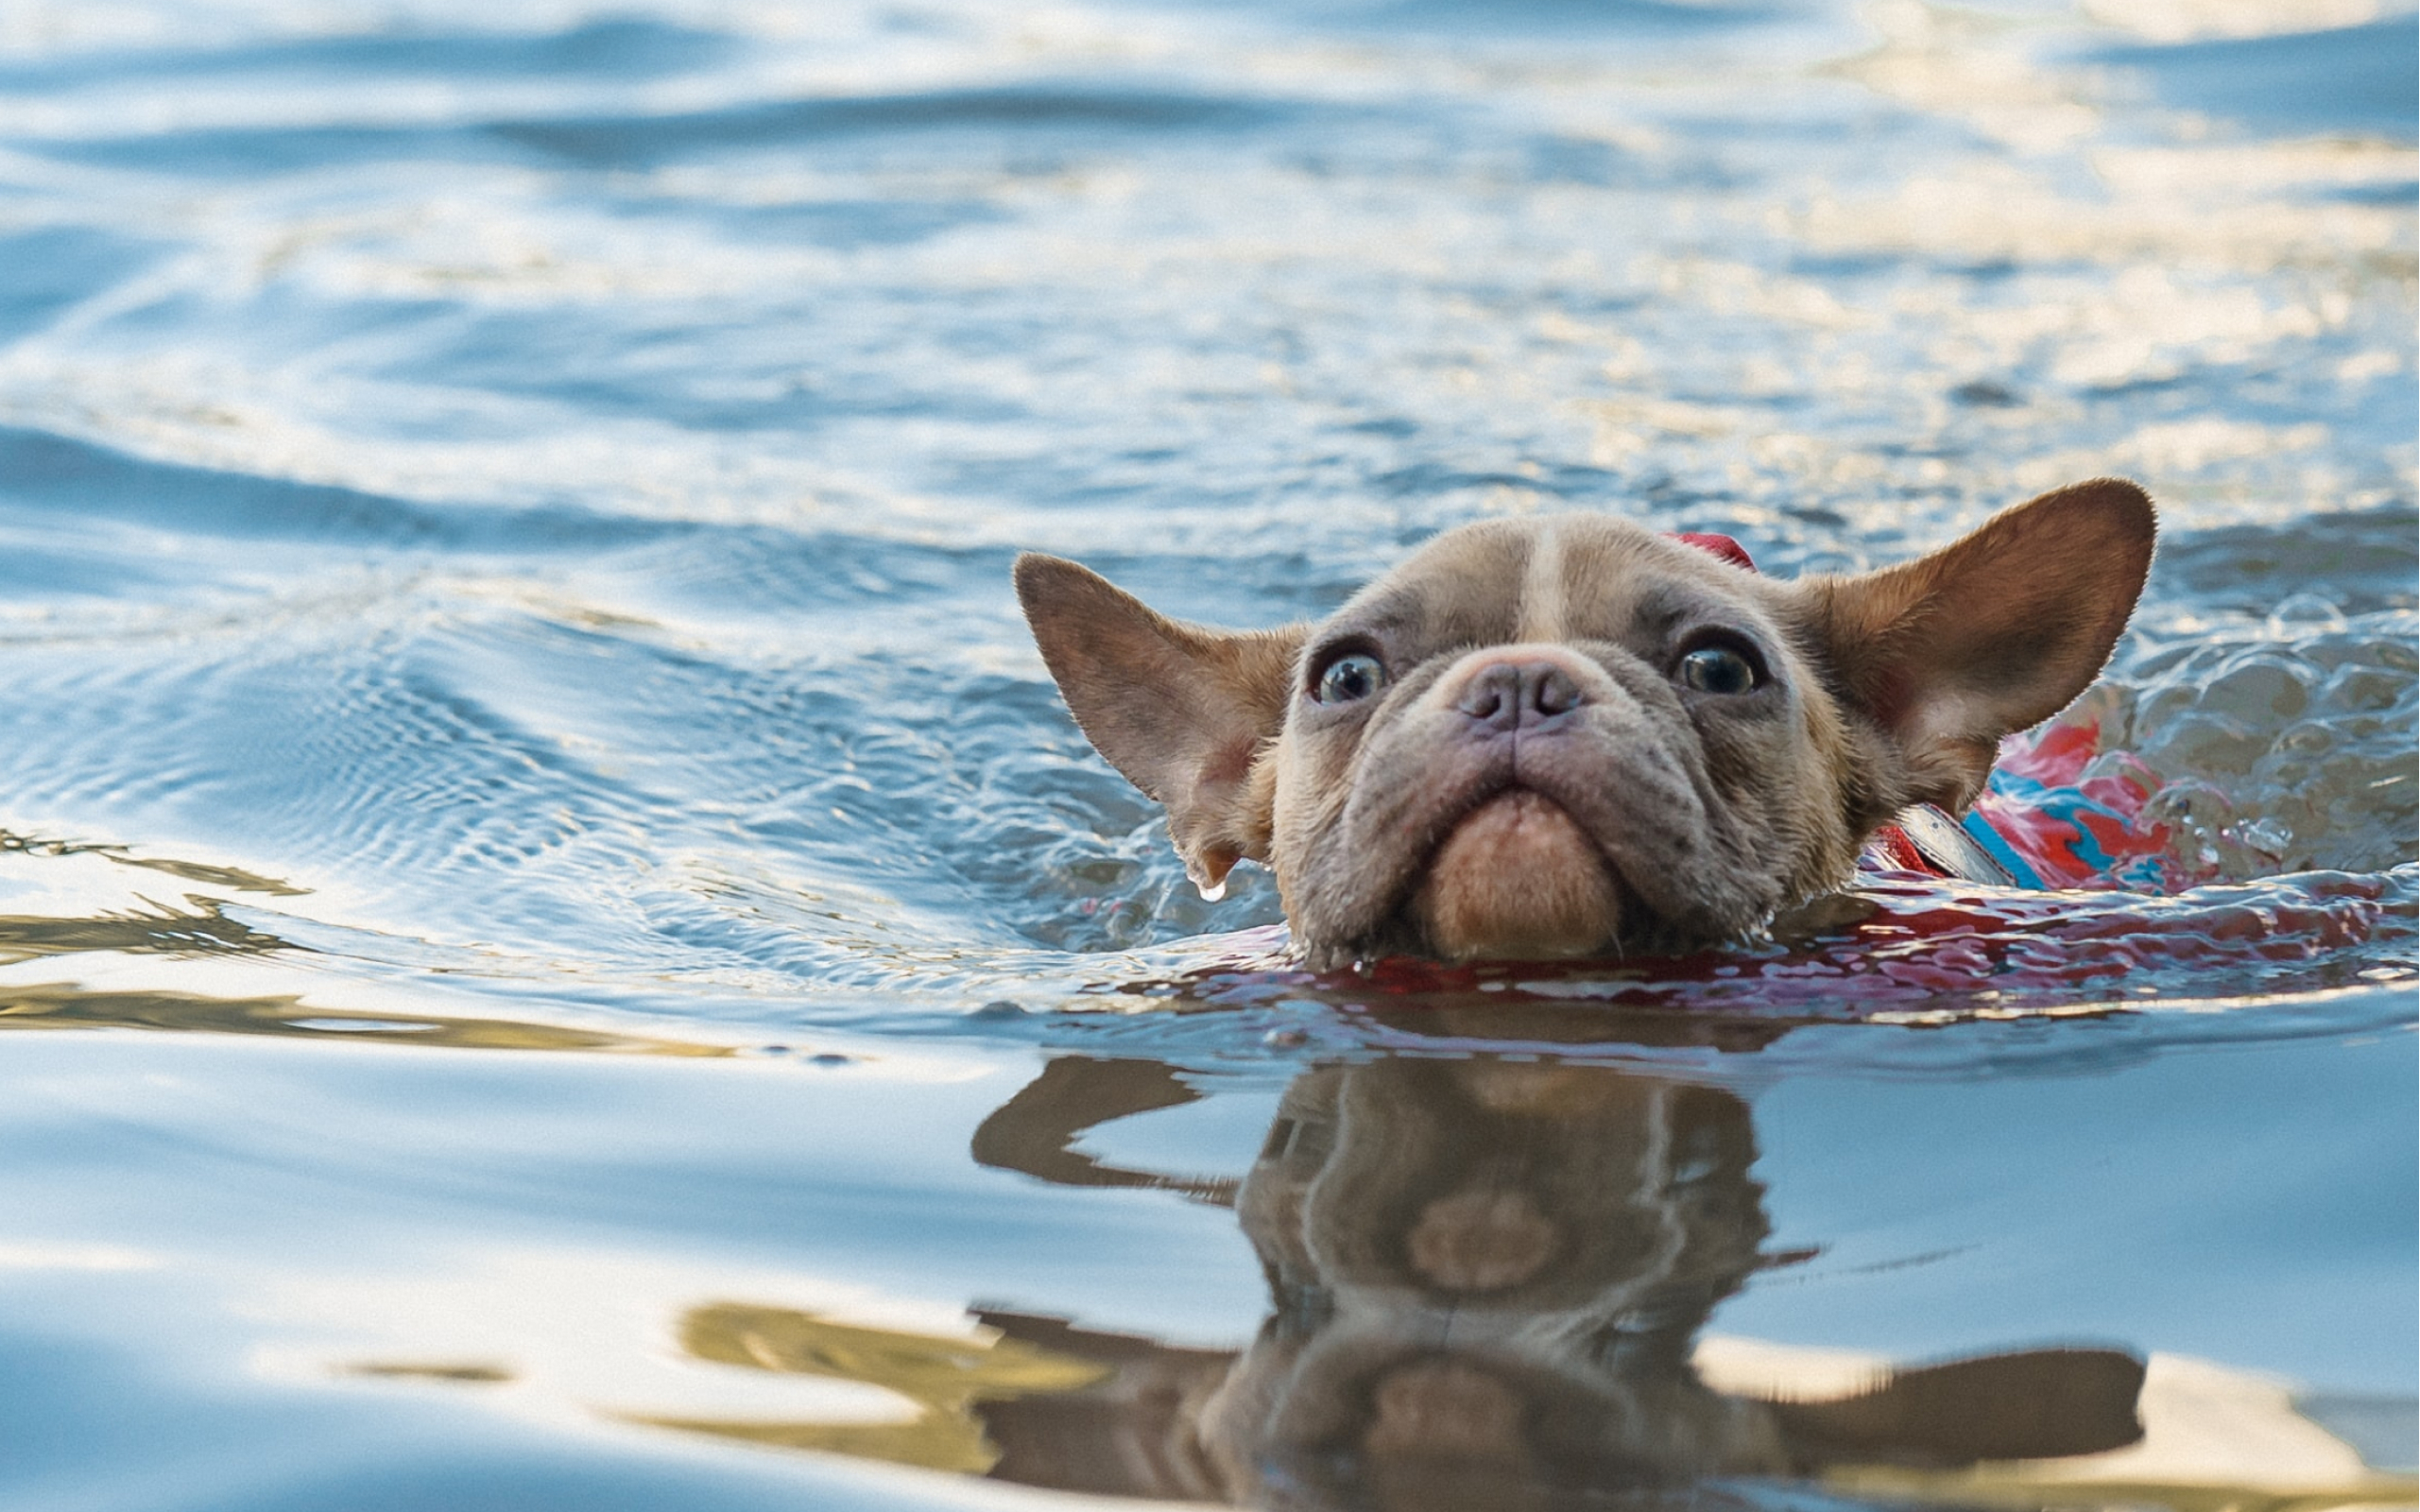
1643 813
1181 711
1517 877
1952 651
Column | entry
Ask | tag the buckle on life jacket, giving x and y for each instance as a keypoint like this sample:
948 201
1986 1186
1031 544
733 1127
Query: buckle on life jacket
1925 838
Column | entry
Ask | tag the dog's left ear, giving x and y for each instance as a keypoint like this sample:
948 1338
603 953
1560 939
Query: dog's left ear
1992 633
1181 710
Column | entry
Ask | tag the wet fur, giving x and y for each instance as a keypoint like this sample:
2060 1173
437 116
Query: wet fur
1646 816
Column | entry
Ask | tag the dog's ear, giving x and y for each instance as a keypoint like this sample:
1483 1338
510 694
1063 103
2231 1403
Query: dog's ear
1182 709
1992 633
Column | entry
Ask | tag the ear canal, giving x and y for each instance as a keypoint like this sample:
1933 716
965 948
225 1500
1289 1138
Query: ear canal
1991 634
1181 710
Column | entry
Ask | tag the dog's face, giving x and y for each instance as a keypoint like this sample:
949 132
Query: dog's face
1542 738
1570 736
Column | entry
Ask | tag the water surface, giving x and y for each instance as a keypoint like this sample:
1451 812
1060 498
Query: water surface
581 962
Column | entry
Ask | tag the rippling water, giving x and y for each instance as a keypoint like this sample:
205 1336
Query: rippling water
505 521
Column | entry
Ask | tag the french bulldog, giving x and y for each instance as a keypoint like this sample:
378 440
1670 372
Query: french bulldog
1569 736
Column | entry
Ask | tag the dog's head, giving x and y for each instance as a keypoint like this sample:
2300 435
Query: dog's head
1569 736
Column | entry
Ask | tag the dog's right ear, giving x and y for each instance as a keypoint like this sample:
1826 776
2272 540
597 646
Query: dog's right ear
1989 635
1182 709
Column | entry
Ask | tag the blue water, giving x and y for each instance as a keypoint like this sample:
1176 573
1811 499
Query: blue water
532 828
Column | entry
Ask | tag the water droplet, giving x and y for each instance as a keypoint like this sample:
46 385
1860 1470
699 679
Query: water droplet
2305 613
1285 1039
2268 836
1210 891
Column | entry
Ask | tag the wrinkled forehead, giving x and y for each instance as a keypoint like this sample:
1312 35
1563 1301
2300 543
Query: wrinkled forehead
1560 577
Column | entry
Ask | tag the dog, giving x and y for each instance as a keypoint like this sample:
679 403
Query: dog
1569 736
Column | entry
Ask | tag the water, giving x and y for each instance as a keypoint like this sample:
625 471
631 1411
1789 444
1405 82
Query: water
504 534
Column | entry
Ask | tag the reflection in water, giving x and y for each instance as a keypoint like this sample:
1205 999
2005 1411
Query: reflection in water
1490 1282
1486 1283
204 872
955 1382
201 928
458 1374
61 1005
154 932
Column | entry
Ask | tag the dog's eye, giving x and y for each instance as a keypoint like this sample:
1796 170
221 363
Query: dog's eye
1350 678
1718 669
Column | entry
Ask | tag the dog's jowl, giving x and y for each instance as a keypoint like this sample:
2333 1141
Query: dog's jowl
1572 736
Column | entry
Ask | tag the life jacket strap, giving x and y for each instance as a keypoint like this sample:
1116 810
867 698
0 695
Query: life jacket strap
1925 840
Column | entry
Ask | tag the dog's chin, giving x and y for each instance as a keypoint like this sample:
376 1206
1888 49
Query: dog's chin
1518 880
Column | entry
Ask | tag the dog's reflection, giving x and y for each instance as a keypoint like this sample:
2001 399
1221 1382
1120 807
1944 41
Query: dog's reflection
1487 1278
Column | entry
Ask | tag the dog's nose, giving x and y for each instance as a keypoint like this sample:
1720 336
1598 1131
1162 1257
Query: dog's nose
1518 694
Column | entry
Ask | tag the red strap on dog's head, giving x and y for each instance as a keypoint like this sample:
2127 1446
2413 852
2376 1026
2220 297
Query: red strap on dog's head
1723 546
